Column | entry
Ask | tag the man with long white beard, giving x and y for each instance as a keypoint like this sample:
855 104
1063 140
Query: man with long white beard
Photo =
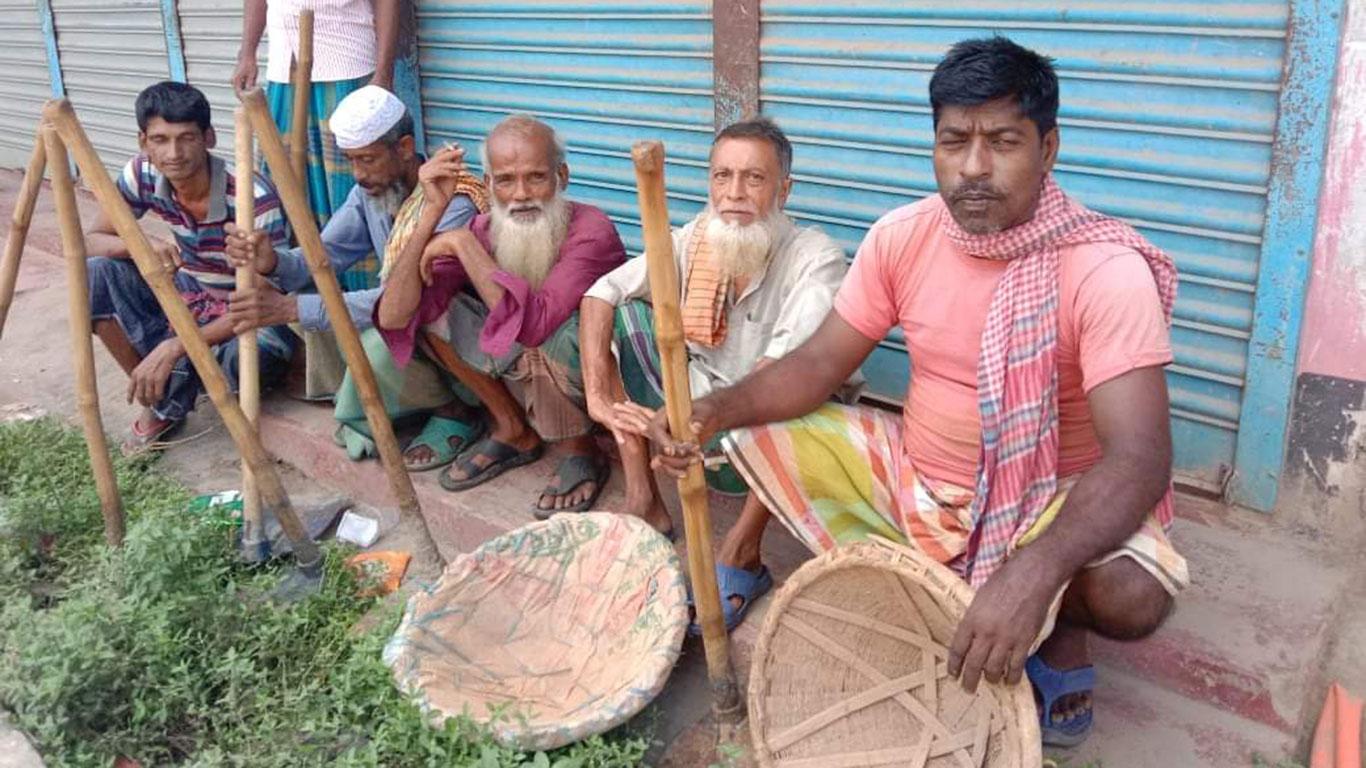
755 286
496 306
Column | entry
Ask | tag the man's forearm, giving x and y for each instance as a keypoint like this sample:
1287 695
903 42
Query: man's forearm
253 25
386 38
105 245
601 377
217 331
782 390
480 266
403 289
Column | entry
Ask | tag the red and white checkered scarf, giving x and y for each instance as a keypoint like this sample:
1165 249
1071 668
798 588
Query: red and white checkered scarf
1017 373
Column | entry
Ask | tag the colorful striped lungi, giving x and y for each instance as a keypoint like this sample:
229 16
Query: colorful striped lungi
633 336
839 475
547 381
419 388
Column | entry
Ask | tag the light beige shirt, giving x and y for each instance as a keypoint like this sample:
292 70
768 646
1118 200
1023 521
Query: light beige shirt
779 309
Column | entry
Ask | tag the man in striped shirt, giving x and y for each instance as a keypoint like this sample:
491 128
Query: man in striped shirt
192 191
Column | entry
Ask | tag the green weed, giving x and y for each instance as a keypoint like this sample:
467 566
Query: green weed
165 651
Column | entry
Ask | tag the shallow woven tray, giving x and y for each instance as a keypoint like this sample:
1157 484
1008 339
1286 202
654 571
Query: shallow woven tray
548 634
850 671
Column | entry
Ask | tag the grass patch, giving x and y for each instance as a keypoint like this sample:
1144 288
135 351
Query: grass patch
152 652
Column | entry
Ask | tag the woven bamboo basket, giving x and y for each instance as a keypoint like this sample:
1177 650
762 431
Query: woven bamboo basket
548 634
849 671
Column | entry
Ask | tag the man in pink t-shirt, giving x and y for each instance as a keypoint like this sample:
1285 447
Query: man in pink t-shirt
1033 454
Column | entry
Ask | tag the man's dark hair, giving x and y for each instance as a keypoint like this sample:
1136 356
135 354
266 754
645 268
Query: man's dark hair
404 127
173 102
989 68
764 129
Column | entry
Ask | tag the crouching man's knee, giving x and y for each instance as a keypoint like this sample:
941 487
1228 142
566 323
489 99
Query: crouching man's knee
1122 600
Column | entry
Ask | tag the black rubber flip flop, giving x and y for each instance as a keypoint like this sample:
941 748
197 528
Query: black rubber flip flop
504 457
573 472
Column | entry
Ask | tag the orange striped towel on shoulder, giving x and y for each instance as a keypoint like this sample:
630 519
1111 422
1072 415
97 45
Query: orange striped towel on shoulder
704 292
405 221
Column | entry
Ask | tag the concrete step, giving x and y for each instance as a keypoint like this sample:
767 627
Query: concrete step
1249 634
1142 724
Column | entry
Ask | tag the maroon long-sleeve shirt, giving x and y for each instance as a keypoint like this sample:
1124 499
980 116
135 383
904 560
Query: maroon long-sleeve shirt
526 315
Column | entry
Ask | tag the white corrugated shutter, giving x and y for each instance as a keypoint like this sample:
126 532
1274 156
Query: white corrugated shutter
24 81
211 31
109 52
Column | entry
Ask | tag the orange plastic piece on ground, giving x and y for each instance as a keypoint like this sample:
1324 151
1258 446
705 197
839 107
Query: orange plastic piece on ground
1337 740
382 572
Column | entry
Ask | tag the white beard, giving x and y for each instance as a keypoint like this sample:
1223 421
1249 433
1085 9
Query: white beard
392 198
742 249
529 249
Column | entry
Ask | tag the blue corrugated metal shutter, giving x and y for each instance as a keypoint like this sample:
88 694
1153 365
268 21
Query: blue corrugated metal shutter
605 74
1168 116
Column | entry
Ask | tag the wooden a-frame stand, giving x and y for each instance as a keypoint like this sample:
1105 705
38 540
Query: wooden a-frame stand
60 133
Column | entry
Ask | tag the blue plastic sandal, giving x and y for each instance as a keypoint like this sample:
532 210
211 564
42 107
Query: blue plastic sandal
735 582
1052 684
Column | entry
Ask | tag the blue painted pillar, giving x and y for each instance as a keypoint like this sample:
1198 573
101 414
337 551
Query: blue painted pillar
1292 208
175 47
54 66
407 86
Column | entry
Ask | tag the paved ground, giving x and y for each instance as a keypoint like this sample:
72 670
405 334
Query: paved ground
1239 669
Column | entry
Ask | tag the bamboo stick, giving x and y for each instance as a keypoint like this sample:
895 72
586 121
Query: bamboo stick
692 489
248 354
303 90
82 347
18 229
295 201
273 498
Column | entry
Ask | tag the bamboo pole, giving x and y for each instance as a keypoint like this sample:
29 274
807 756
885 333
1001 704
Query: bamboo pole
18 229
273 498
295 201
303 89
248 354
82 347
692 489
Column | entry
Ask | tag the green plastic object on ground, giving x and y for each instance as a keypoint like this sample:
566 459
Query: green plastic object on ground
225 504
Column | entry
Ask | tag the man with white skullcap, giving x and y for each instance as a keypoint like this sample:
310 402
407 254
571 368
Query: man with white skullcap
398 204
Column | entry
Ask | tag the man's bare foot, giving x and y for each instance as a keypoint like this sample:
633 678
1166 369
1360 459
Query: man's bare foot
145 431
741 553
650 508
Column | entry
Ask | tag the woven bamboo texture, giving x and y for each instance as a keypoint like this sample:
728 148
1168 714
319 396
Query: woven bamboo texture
547 634
850 671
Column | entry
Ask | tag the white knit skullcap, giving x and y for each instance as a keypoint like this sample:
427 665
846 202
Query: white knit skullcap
364 116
